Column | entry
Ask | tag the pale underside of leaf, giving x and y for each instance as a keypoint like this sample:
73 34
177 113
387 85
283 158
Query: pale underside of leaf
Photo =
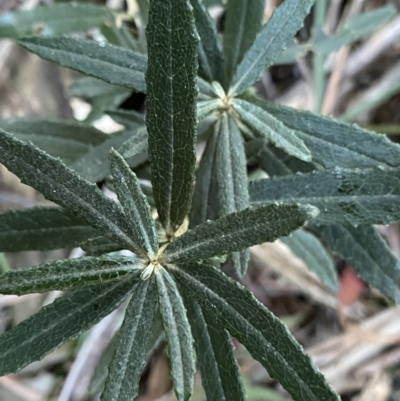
204 205
231 168
62 275
367 196
231 306
239 230
215 354
178 335
136 208
310 250
171 108
286 20
367 253
59 322
61 185
131 347
42 229
272 129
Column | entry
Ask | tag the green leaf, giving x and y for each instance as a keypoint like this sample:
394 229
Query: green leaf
128 118
243 22
270 128
233 194
94 165
137 210
119 34
113 64
215 355
99 245
205 194
355 28
59 322
367 196
207 107
63 186
310 250
238 231
65 139
66 274
286 20
334 143
367 253
89 87
275 161
54 19
177 335
210 52
136 144
131 349
268 340
42 229
171 108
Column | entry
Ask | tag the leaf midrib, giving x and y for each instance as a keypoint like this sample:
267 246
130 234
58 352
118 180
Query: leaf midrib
331 198
88 205
247 323
64 317
128 348
261 54
211 240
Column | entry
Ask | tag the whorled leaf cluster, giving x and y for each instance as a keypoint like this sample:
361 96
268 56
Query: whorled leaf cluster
338 177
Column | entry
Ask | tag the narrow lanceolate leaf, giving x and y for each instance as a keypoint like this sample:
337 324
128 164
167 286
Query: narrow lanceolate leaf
334 143
286 20
65 139
177 335
97 246
113 64
63 186
238 231
94 167
355 28
60 322
367 253
207 107
136 144
231 306
205 194
42 229
368 196
310 250
233 194
136 207
243 22
130 119
275 161
210 52
66 274
219 370
131 349
91 88
171 108
46 20
270 128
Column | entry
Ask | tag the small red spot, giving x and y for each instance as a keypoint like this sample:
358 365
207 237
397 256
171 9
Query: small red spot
351 287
